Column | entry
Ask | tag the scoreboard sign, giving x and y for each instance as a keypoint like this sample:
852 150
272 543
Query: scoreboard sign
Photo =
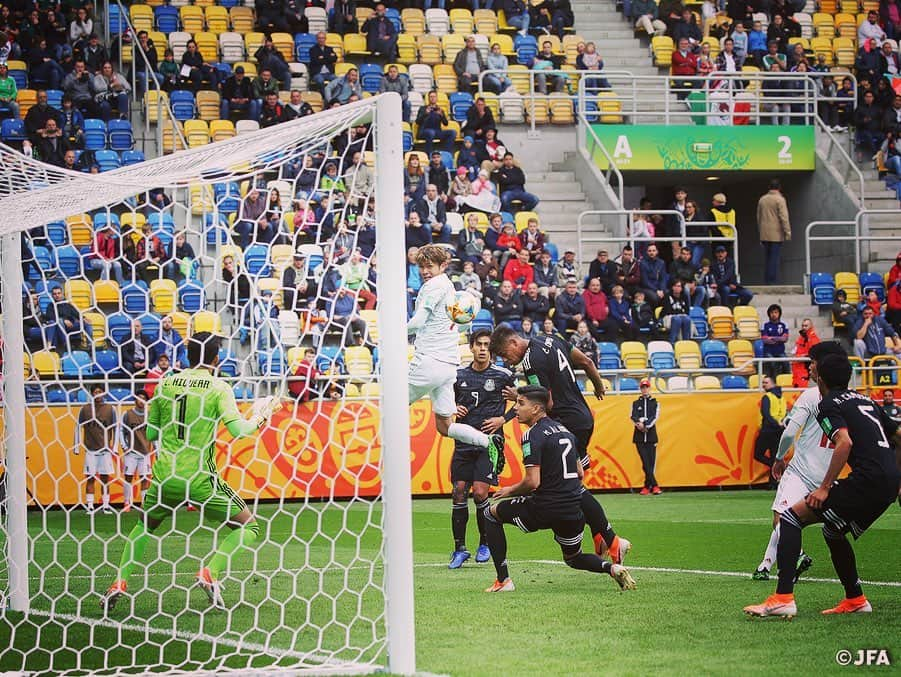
704 148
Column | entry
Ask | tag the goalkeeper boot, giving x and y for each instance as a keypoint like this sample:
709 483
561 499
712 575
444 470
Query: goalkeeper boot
619 549
505 586
483 554
109 599
804 563
851 605
774 605
457 559
213 589
621 575
762 574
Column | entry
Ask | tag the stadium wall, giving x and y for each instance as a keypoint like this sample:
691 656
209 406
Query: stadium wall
321 450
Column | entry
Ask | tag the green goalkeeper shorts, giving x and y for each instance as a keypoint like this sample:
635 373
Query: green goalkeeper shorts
209 494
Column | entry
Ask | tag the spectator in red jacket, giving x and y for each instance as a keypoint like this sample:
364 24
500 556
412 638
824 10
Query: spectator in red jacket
684 68
895 273
597 312
519 271
893 305
807 339
302 385
105 254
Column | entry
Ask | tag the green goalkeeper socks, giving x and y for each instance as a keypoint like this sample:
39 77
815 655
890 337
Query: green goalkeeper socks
245 535
134 550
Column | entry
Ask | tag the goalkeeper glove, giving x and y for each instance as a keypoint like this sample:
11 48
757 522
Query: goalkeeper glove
266 407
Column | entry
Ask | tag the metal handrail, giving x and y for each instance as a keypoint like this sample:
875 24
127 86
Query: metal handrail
834 143
585 129
857 237
808 238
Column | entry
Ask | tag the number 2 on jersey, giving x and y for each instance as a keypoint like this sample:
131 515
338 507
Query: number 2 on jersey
567 448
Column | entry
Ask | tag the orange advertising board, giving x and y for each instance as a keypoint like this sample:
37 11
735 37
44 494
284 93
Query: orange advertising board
330 449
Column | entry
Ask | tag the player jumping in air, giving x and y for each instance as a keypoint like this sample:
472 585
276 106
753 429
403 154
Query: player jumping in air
861 433
96 429
480 400
548 361
184 416
136 448
548 496
808 465
436 356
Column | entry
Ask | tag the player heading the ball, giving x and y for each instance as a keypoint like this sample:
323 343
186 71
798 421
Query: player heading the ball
184 416
436 353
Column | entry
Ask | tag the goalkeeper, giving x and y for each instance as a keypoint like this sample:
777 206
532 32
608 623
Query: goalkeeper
184 416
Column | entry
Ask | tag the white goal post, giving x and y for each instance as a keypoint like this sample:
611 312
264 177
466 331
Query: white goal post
33 194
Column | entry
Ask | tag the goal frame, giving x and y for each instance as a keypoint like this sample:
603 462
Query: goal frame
397 543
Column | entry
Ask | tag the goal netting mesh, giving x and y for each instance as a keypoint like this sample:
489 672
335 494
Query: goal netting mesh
267 239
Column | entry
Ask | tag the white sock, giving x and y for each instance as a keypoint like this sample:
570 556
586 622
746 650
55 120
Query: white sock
105 497
128 491
467 434
90 500
769 557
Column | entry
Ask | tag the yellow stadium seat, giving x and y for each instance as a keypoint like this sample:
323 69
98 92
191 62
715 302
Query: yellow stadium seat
445 78
26 98
253 41
206 320
707 382
492 103
314 99
406 47
180 322
351 390
207 105
754 381
505 42
284 43
452 44
824 25
141 17
714 46
355 44
850 284
159 39
343 67
107 292
688 354
571 48
747 322
152 108
537 110
429 47
846 25
191 18
221 129
413 21
371 318
371 390
208 46
197 132
845 52
561 106
216 18
81 230
784 380
273 285
741 354
662 49
132 221
634 355
720 320
201 199
610 106
98 327
485 21
336 42
80 293
241 19
519 76
462 21
295 356
358 361
522 220
46 364
163 295
27 364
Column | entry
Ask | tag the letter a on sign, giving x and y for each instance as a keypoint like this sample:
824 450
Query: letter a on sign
623 149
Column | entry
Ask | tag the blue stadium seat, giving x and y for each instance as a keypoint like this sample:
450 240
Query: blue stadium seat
132 157
79 395
256 259
699 320
303 42
483 320
166 18
608 356
55 98
714 354
56 394
628 384
393 15
507 217
117 23
526 47
272 362
118 327
13 129
732 382
758 347
94 134
822 288
120 135
329 357
68 261
120 395
370 77
77 363
460 103
662 359
243 392
20 77
102 219
182 102
227 197
872 282
57 233
44 259
190 296
106 362
135 297
551 249
223 69
107 160
408 140
228 365
150 326
161 222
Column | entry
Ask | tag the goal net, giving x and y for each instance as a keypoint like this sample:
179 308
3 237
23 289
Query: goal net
286 243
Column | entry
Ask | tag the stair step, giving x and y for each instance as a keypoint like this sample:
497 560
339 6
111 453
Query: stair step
562 176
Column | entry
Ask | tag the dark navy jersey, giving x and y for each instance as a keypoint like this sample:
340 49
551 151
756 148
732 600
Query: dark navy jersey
481 392
546 363
550 445
870 429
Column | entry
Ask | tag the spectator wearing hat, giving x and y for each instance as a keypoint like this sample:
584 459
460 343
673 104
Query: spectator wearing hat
645 412
844 316
479 119
460 190
605 270
723 270
237 98
568 270
775 228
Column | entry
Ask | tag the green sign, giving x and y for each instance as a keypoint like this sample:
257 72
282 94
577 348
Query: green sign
704 148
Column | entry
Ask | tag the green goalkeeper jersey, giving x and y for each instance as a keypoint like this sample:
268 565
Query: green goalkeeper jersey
186 409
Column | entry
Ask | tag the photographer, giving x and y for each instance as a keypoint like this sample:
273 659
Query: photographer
79 86
52 146
645 412
111 90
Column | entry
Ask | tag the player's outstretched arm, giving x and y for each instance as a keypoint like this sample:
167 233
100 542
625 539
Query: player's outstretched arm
583 362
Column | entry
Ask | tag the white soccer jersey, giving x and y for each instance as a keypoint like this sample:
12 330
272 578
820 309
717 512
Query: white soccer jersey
436 334
812 453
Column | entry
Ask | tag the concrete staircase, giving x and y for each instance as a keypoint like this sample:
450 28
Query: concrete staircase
876 196
796 307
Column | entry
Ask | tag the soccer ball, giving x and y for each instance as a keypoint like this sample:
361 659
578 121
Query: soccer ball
463 308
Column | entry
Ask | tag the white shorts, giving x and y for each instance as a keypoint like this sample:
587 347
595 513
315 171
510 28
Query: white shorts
436 379
136 464
99 463
791 490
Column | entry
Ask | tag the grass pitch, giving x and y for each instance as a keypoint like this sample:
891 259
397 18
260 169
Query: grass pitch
693 555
